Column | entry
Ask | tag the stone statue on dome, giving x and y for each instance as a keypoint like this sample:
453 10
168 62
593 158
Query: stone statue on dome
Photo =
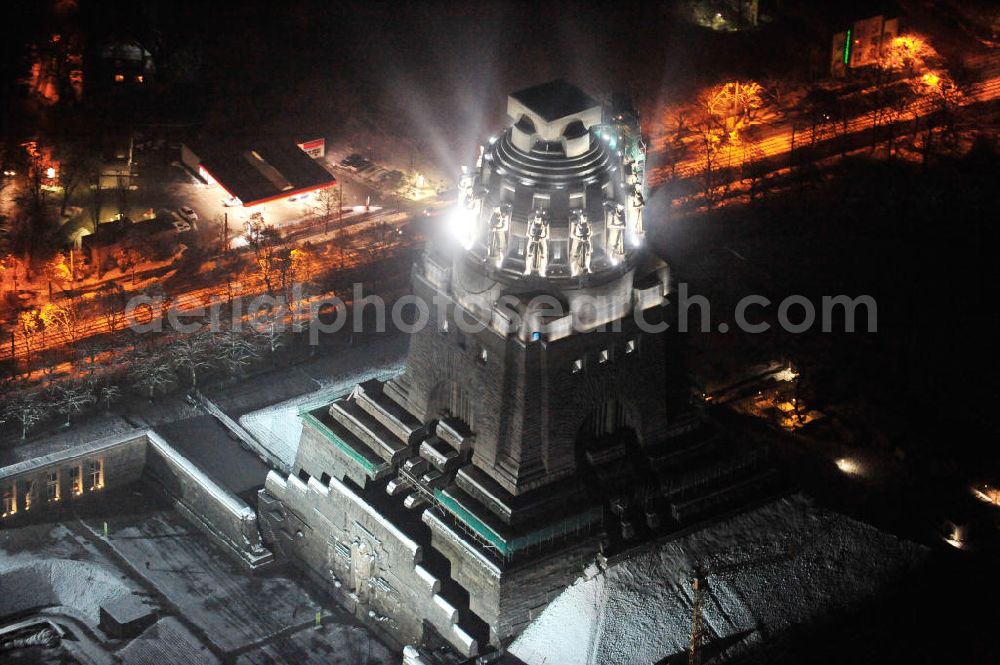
536 258
496 246
582 247
614 226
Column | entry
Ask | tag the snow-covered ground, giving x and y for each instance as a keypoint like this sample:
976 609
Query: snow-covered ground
210 608
783 564
168 641
80 587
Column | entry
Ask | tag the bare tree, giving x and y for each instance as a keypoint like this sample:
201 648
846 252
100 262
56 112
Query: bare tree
111 302
824 110
150 372
896 100
234 350
709 134
378 240
894 84
673 149
27 409
75 168
60 319
301 264
89 352
128 258
70 400
30 326
50 373
269 329
328 205
752 168
108 395
939 125
265 241
215 235
58 270
282 264
33 195
735 104
191 354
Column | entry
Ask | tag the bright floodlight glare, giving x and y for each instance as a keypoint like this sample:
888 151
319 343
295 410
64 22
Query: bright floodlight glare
848 466
787 374
461 223
988 494
50 173
955 537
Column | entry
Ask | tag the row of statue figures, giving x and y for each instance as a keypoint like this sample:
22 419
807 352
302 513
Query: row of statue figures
581 235
618 218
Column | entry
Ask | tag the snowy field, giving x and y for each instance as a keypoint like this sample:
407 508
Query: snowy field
780 565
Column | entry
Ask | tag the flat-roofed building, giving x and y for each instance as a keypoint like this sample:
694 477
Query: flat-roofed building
259 171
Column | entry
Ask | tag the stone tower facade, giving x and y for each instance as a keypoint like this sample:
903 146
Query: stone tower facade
536 417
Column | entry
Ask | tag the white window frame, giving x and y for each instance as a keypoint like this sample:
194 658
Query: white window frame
52 485
95 470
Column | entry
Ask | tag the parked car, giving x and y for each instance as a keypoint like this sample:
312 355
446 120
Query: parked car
181 226
188 213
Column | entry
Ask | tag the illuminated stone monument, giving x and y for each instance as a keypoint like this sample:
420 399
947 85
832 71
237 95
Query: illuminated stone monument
539 419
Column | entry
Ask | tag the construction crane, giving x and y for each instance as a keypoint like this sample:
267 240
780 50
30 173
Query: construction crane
699 583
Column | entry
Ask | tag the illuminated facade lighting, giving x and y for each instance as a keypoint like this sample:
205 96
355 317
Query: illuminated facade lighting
96 472
10 500
987 494
848 466
76 480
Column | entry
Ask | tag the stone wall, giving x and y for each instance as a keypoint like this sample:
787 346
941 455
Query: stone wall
128 459
360 556
316 456
121 460
477 574
212 508
508 599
